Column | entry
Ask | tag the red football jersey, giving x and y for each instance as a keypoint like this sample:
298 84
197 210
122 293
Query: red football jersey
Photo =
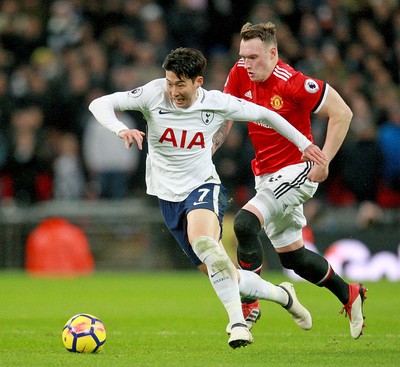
291 94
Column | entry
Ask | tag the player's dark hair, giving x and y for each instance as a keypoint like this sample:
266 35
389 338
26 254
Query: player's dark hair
185 62
266 32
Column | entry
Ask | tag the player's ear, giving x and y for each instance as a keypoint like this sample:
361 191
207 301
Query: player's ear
199 81
273 51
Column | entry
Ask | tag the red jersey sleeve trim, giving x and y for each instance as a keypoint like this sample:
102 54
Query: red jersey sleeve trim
322 99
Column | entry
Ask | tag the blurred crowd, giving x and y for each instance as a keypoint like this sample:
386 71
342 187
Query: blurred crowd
57 56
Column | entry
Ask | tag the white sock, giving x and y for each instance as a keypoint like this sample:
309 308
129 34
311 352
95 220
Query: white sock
222 274
253 286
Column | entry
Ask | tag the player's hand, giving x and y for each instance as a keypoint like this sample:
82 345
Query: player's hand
318 173
313 154
130 136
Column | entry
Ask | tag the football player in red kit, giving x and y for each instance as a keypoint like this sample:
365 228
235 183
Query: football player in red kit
283 180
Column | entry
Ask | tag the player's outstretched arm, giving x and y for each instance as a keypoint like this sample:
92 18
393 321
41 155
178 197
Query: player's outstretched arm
131 136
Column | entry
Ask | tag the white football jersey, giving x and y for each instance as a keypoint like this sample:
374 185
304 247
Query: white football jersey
180 139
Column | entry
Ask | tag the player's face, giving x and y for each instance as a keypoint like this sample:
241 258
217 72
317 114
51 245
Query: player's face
259 59
183 92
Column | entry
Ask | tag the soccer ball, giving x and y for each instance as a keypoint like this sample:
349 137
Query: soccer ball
84 333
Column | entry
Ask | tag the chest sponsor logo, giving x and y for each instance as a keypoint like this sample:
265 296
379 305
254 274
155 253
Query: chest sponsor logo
182 139
311 86
207 116
162 112
276 102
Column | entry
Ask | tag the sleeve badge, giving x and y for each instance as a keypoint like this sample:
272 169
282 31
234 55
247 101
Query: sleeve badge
311 86
135 92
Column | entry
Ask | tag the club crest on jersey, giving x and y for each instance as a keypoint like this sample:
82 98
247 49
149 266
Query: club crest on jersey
135 92
276 102
311 86
207 116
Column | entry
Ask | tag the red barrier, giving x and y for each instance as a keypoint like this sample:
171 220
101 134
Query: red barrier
58 248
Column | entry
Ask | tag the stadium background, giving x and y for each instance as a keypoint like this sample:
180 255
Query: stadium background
56 56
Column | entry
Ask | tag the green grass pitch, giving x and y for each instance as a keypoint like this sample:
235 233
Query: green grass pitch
175 319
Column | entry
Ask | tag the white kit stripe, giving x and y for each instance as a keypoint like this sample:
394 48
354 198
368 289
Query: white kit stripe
216 199
283 71
285 78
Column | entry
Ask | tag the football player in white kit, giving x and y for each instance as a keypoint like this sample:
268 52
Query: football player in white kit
182 118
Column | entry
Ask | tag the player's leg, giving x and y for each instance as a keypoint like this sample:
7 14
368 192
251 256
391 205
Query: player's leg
316 269
285 234
290 188
204 228
203 232
247 225
250 257
254 287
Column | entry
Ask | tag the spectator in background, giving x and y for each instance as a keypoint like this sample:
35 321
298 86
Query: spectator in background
188 23
110 166
20 31
145 66
71 92
333 67
156 32
361 160
310 32
223 17
69 178
27 165
95 57
389 140
6 102
64 25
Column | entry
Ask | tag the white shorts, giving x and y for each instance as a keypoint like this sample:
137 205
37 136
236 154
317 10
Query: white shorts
279 198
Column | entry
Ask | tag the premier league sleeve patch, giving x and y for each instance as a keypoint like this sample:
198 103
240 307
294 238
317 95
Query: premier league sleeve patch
311 86
135 92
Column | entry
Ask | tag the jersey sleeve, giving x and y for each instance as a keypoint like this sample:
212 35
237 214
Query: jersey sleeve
307 92
103 108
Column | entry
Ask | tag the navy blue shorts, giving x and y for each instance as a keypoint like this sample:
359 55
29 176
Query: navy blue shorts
209 196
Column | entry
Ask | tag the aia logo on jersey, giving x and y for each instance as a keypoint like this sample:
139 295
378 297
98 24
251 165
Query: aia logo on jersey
181 139
135 92
207 116
276 102
311 86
